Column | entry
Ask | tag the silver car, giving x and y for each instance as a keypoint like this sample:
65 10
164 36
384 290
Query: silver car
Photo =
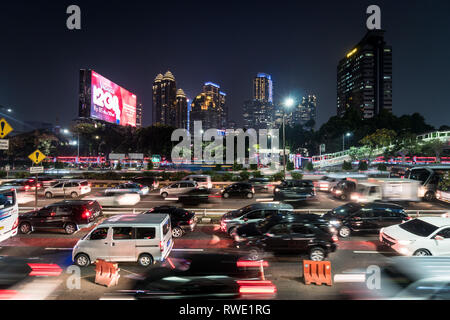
176 188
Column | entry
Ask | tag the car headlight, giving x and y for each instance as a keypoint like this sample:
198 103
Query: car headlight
338 191
335 222
405 242
277 190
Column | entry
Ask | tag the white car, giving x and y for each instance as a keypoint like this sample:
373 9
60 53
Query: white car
427 236
72 188
129 187
176 188
115 199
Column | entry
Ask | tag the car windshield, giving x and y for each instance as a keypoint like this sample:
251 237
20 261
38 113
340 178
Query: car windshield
419 227
242 211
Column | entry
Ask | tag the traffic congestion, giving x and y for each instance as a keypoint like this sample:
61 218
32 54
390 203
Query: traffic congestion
236 240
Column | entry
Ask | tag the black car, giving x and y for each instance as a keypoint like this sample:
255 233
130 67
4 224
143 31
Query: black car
294 190
195 196
354 217
291 234
70 215
239 189
343 190
260 184
151 182
200 276
181 220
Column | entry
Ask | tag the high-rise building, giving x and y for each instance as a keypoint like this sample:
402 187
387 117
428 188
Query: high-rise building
168 103
305 111
209 107
139 115
181 110
263 88
364 77
259 112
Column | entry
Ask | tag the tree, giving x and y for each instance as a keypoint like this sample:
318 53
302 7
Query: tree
347 166
309 167
381 138
150 164
362 166
290 166
444 183
244 175
297 176
382 167
434 147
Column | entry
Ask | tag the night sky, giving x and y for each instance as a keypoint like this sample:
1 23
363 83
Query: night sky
227 42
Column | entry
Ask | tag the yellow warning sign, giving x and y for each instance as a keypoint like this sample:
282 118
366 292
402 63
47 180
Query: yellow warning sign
5 128
37 156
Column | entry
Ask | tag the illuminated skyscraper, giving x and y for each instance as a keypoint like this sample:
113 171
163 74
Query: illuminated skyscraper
364 77
209 107
305 111
181 111
139 115
263 88
164 99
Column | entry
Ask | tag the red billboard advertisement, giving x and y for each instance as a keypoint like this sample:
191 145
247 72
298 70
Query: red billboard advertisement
111 102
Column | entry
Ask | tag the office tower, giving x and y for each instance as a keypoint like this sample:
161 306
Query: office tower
139 115
164 99
263 88
181 110
259 112
364 77
305 111
209 107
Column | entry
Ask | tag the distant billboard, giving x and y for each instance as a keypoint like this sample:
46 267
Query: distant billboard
102 99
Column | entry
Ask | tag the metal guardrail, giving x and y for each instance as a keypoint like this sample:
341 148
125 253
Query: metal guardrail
216 212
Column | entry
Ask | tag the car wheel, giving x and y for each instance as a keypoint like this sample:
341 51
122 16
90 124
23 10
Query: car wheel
231 230
430 196
74 195
343 197
226 195
422 253
317 254
255 253
164 195
344 232
177 232
145 260
48 195
82 260
249 195
70 228
25 228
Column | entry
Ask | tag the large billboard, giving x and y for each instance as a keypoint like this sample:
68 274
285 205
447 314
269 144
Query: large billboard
104 100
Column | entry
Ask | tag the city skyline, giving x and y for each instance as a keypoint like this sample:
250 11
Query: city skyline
51 84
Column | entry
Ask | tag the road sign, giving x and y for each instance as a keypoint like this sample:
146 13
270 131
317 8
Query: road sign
7 168
322 148
36 169
156 158
5 128
37 156
116 156
136 156
4 144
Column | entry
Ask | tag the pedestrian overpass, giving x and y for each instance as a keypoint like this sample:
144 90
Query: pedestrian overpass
338 158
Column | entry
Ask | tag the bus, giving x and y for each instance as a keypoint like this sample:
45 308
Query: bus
429 177
9 213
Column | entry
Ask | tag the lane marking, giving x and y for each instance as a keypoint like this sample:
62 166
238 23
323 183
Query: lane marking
345 278
199 250
58 248
370 252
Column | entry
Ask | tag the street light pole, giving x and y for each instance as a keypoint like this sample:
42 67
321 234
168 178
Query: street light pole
284 145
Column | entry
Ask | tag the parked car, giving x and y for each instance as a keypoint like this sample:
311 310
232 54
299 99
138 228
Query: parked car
203 181
294 190
181 219
177 188
151 182
292 234
261 184
129 187
112 199
355 217
239 189
427 236
72 188
343 190
251 214
141 238
70 215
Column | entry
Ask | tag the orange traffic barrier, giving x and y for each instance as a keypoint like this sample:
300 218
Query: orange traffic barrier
318 272
106 273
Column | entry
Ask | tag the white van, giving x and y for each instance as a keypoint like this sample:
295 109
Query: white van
203 180
143 238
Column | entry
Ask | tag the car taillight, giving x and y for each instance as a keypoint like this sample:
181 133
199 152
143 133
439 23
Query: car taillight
161 247
16 224
256 287
27 187
86 214
253 190
335 238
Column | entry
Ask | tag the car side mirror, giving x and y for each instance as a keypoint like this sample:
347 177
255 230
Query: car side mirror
439 238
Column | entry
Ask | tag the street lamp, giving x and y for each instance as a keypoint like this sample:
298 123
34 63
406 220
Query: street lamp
348 134
288 103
